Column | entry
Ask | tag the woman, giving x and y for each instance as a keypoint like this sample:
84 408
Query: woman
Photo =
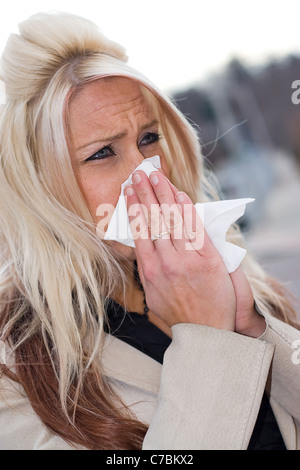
84 343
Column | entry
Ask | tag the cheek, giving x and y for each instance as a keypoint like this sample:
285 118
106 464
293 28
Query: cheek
99 197
100 187
164 165
99 190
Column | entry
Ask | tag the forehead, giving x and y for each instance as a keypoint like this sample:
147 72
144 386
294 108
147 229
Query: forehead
107 97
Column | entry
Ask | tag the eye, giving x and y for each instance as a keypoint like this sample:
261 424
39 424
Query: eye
105 152
150 138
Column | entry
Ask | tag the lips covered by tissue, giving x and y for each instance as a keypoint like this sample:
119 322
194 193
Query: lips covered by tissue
216 216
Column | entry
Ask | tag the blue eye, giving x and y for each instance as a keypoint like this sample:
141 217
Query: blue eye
105 152
150 138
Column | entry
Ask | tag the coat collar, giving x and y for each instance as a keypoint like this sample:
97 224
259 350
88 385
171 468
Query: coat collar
125 363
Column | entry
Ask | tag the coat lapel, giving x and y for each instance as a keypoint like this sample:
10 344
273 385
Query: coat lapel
125 363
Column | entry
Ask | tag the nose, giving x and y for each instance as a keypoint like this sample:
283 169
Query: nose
136 158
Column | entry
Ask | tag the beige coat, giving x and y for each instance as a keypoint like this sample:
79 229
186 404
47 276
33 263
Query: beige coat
205 396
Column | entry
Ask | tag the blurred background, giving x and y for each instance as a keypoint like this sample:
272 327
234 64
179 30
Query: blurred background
232 68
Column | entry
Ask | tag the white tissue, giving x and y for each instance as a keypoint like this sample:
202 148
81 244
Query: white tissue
119 227
216 216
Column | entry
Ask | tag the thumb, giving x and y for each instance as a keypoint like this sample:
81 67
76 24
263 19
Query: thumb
242 288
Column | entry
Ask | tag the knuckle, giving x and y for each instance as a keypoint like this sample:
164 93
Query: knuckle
149 273
213 264
169 268
160 194
143 192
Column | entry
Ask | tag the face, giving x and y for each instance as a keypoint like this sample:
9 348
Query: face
112 129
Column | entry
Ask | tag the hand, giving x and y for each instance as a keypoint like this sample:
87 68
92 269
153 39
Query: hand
184 277
248 321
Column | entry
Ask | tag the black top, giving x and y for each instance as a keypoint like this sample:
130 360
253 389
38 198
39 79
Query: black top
136 330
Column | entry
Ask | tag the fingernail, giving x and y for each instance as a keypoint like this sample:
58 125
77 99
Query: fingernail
154 178
129 191
136 177
179 197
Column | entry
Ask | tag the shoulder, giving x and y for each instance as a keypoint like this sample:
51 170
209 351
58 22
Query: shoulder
20 427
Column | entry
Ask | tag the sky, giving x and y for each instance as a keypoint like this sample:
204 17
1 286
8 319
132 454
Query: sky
177 43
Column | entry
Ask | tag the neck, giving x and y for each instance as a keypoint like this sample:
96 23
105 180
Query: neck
134 300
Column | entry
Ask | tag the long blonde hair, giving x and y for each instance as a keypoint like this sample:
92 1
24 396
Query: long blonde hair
55 273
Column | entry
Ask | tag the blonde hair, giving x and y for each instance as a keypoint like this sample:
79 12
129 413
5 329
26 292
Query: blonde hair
52 262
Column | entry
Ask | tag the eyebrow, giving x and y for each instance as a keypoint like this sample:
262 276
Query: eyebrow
115 137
